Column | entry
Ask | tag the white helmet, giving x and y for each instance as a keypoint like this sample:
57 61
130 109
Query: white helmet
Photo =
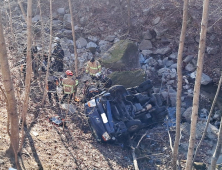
98 74
56 39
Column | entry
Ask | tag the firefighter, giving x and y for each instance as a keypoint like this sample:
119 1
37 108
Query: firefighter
69 86
53 82
58 55
93 67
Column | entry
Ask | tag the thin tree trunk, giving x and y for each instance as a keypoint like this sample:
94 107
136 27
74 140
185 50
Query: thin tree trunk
74 38
179 83
217 151
129 15
10 94
10 20
42 42
23 11
28 71
50 53
28 62
209 116
195 107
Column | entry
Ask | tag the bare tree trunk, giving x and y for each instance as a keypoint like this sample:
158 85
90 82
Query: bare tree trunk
10 94
28 62
209 116
10 20
179 83
129 15
195 107
50 53
217 151
42 42
74 38
23 11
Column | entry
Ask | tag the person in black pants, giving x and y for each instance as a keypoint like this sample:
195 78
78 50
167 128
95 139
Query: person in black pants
58 55
53 81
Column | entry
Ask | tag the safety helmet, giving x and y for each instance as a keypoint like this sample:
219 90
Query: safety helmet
56 40
69 73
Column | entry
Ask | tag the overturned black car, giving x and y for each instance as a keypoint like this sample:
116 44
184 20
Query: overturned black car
118 111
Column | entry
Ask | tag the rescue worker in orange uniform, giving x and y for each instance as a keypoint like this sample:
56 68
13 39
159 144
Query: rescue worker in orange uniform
69 86
93 67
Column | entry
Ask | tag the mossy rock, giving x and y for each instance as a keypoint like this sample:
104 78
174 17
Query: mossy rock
128 78
121 56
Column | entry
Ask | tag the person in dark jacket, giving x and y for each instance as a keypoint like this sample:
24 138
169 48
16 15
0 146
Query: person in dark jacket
35 60
53 82
58 55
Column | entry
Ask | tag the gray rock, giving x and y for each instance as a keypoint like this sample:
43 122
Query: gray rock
146 52
173 75
145 67
212 50
203 113
83 21
110 38
151 62
187 114
190 67
174 65
67 21
91 44
123 54
169 63
160 32
212 131
163 71
103 42
164 95
163 51
55 16
205 79
68 34
170 82
160 62
141 58
61 11
145 45
156 21
217 115
147 35
116 40
1 161
188 59
173 56
194 61
56 25
36 19
197 38
81 42
93 38
146 11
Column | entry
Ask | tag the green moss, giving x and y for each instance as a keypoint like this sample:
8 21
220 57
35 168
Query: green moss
128 78
118 51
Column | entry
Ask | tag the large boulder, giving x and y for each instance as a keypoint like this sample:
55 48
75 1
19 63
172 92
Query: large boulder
205 79
122 55
145 45
128 78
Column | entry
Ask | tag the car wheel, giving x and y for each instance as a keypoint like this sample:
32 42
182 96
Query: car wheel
93 131
133 125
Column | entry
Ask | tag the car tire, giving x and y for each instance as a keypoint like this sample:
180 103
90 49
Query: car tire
133 125
93 131
118 90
